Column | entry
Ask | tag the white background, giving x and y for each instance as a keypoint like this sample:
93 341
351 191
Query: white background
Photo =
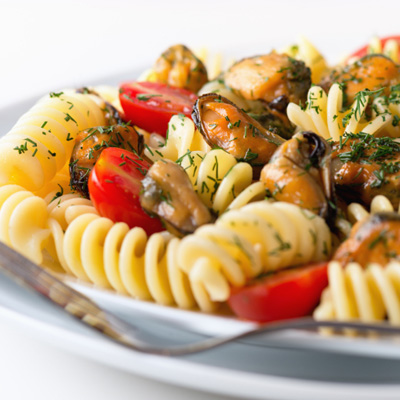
47 45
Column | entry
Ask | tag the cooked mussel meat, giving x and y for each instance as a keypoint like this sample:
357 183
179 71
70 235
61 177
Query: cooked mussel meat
179 67
91 142
373 240
274 121
373 72
274 78
226 126
272 118
168 193
300 173
365 166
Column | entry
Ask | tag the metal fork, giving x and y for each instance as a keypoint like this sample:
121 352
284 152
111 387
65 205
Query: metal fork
28 274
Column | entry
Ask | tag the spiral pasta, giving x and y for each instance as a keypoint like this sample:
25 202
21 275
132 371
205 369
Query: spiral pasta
197 270
59 185
182 137
41 142
23 221
357 212
220 180
109 93
259 237
323 114
305 51
61 211
111 255
217 177
369 295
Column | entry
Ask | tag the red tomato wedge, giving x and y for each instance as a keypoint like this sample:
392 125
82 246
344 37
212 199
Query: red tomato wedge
287 294
363 51
115 185
150 105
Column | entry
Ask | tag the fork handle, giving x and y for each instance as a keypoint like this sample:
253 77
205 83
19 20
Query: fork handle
29 275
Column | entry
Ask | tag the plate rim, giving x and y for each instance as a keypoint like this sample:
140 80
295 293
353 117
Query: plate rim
219 380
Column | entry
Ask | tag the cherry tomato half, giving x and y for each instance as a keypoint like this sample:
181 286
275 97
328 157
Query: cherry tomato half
150 105
114 188
363 51
287 294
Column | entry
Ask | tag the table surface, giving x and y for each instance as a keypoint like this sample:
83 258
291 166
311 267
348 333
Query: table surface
49 45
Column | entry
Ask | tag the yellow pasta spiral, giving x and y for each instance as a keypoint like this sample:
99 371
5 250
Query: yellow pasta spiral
181 138
197 270
23 221
261 236
357 212
305 51
61 212
325 116
41 142
354 293
221 181
217 177
111 255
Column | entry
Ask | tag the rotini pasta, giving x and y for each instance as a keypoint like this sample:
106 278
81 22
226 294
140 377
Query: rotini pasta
323 114
305 51
40 143
23 221
182 137
108 93
369 295
214 63
357 212
112 256
261 236
59 184
198 269
220 180
217 177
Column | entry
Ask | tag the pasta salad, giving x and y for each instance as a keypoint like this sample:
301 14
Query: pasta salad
271 185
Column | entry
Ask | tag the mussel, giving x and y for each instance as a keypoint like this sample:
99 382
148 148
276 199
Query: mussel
372 240
272 118
223 125
275 78
274 121
91 142
365 166
373 72
179 67
300 173
168 193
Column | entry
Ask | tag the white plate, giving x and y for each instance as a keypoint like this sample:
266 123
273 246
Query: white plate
238 369
293 364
